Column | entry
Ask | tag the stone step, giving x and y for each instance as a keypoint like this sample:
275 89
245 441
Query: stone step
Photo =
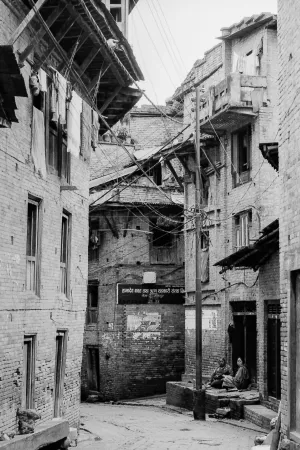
260 415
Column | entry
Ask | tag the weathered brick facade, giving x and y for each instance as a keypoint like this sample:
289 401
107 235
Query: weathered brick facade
289 64
132 358
226 295
44 221
22 312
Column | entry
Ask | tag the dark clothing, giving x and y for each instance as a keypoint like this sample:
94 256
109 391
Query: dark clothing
240 381
219 372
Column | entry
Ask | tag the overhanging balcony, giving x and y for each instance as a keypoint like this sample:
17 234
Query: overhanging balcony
232 103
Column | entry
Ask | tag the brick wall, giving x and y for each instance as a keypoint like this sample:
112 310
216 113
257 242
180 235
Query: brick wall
260 195
289 65
24 313
133 363
149 128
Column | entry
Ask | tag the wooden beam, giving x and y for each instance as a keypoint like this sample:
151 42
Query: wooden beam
112 227
62 32
41 33
183 163
174 173
82 40
211 162
88 59
94 36
110 99
129 215
25 22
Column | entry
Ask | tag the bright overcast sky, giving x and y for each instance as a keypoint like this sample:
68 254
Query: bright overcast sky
168 36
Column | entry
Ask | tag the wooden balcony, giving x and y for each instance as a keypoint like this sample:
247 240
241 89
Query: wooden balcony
232 103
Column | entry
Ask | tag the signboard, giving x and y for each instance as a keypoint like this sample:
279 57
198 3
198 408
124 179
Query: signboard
129 294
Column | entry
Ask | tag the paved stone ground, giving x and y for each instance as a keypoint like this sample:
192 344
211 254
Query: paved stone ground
148 424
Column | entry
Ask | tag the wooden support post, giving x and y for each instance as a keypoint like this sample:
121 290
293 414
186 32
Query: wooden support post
60 35
87 61
169 164
25 22
39 35
199 394
110 99
211 162
96 38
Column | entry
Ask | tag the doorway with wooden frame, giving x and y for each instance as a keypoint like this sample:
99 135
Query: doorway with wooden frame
60 365
273 346
93 372
244 336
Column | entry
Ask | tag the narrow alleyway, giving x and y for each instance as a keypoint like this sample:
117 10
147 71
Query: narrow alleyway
115 427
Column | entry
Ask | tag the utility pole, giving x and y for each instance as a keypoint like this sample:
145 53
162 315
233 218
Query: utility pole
199 394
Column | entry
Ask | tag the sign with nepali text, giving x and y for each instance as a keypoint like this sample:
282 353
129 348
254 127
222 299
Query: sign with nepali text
129 294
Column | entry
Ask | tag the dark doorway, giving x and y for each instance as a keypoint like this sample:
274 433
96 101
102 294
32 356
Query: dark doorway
59 371
93 368
244 336
274 377
294 353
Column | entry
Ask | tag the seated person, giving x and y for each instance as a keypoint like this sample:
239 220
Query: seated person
216 379
241 379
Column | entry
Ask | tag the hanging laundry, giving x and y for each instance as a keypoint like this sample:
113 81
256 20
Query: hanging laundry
95 129
73 121
38 151
62 96
43 80
54 96
250 66
235 58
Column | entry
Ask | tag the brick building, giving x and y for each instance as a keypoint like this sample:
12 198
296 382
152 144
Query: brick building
47 133
240 200
289 63
134 333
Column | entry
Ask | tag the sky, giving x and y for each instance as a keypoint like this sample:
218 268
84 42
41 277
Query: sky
168 36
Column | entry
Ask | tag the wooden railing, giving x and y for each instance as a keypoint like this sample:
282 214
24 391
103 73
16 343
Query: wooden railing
236 90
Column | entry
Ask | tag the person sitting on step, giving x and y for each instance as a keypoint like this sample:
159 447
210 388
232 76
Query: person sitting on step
216 379
241 379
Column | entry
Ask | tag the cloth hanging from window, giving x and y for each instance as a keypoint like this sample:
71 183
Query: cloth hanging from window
250 64
62 96
204 265
38 151
43 80
53 97
235 58
95 129
74 128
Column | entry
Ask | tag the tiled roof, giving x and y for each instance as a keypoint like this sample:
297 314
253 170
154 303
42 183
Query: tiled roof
137 195
246 25
113 176
108 159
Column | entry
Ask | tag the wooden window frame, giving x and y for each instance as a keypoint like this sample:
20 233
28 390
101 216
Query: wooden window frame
92 311
28 371
63 159
60 368
242 229
65 254
239 175
30 260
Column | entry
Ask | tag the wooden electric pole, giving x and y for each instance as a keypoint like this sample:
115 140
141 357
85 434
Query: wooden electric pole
199 395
